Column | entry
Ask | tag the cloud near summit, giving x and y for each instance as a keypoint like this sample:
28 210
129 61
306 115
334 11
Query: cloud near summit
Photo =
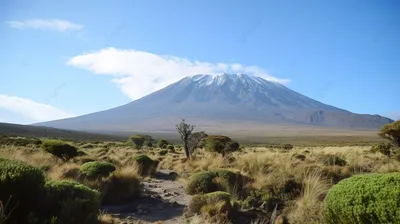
139 73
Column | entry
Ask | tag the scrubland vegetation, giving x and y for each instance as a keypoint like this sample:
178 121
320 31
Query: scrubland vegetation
54 181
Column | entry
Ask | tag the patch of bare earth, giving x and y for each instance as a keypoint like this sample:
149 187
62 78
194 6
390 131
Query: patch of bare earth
163 201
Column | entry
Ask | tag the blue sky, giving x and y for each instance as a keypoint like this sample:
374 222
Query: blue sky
66 58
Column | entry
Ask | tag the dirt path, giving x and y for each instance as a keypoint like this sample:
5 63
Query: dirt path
163 200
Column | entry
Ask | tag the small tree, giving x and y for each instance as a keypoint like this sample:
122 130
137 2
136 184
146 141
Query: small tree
185 131
391 132
190 140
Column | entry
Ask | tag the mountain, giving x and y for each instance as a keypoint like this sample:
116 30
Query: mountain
214 101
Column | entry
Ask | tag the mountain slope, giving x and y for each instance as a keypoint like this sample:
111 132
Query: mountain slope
210 100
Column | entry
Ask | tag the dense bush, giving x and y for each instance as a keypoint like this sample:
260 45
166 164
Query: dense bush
60 149
147 165
71 203
21 188
97 169
162 152
171 148
220 144
264 199
19 141
333 160
138 141
217 180
162 143
368 198
384 148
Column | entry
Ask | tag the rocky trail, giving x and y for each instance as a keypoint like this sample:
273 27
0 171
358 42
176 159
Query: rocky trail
162 201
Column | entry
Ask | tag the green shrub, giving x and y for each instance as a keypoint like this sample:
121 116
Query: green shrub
71 203
162 152
384 148
368 198
19 141
21 188
220 144
97 169
60 149
147 165
138 141
217 180
171 148
333 160
162 143
264 199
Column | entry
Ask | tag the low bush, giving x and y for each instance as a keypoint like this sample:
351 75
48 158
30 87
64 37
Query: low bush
97 169
217 180
19 141
146 165
21 188
60 149
162 152
162 143
71 203
384 148
138 141
263 199
220 144
367 198
171 148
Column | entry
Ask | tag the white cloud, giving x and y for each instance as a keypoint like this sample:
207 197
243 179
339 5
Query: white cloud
139 73
31 109
41 24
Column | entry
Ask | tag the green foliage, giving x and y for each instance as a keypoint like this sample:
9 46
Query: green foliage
60 149
19 141
217 180
21 188
333 160
147 165
170 147
138 141
71 203
220 144
391 132
384 147
162 143
198 202
162 152
368 198
263 199
97 169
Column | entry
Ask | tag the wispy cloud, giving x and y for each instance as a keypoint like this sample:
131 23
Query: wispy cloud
31 109
42 24
139 73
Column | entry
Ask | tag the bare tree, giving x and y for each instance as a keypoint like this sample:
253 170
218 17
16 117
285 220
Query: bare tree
189 139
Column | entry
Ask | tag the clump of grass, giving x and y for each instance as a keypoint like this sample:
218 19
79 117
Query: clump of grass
308 208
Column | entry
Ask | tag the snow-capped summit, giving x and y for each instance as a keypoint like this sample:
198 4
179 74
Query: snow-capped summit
212 99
